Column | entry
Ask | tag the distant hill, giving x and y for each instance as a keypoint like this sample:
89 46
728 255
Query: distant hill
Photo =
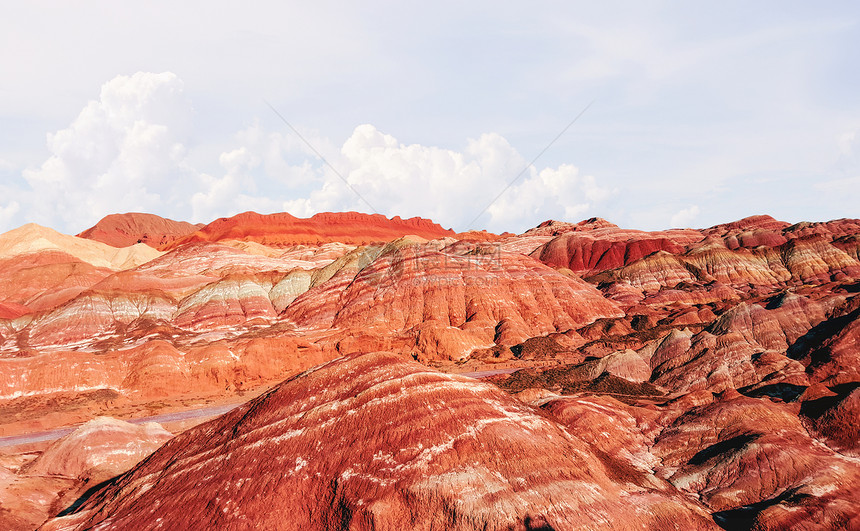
122 230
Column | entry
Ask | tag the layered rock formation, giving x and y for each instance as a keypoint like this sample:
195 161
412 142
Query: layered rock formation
700 373
31 239
375 442
453 299
757 252
755 465
597 245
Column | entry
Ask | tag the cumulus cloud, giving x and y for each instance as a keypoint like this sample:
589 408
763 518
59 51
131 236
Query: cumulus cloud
124 152
451 187
684 217
265 174
129 151
235 192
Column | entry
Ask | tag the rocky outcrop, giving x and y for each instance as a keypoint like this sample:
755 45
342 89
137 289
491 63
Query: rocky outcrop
32 238
43 280
753 463
746 346
588 253
754 253
99 450
159 368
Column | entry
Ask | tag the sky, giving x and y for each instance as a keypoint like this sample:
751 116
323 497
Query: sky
478 115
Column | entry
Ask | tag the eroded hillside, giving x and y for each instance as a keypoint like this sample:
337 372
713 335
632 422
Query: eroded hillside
708 377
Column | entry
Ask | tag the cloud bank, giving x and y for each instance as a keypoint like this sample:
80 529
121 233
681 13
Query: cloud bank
130 150
124 152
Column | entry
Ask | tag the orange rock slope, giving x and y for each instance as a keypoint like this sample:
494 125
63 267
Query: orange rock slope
710 376
122 230
284 229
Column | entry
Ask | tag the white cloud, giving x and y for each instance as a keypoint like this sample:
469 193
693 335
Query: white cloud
451 187
558 193
8 213
689 99
128 151
265 174
235 192
124 152
684 217
847 142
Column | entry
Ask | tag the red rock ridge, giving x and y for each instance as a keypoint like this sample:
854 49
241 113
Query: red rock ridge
756 252
122 230
595 245
552 227
587 254
284 229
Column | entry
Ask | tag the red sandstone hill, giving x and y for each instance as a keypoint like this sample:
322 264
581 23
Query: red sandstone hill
378 443
451 300
284 229
122 230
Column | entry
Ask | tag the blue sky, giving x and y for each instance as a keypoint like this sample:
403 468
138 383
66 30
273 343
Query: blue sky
701 113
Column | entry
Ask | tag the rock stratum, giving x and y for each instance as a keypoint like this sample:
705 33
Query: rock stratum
676 379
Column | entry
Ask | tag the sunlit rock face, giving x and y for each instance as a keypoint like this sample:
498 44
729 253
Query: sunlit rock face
122 230
455 292
607 248
372 442
284 229
708 376
99 450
